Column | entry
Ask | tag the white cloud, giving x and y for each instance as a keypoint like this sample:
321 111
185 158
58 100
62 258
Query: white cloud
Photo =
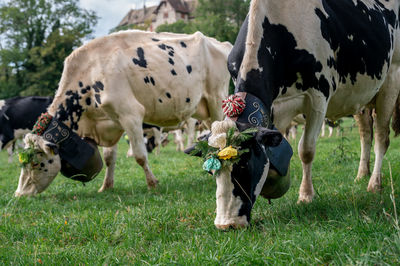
111 12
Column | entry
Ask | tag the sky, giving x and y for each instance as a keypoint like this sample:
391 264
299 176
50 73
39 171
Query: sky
111 12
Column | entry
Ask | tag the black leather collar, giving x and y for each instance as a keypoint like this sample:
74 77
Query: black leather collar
71 147
256 114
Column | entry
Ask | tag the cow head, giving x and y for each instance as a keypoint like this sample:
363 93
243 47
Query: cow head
239 184
40 165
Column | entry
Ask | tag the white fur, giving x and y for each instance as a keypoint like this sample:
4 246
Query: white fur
228 205
260 184
2 103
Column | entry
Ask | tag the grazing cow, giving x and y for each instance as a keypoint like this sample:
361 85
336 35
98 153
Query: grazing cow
325 58
17 117
114 84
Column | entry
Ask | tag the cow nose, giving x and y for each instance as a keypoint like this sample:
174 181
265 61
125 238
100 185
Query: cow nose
230 226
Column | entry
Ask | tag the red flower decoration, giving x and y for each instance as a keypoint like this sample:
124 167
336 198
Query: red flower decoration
233 105
41 124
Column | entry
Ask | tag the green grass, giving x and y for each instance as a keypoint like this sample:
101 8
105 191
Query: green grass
173 224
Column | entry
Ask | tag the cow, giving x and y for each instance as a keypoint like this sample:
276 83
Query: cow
17 117
115 83
321 58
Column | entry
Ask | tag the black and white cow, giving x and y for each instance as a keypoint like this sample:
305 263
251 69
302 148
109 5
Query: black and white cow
325 58
115 83
17 117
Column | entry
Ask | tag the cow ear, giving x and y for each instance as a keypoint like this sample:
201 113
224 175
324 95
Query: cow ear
243 126
52 148
191 151
197 152
268 137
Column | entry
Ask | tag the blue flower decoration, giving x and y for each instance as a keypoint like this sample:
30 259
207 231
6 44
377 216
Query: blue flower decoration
212 164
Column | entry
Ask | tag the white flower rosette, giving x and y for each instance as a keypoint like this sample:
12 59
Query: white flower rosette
217 141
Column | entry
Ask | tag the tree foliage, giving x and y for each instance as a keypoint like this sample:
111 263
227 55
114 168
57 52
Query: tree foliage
220 19
36 37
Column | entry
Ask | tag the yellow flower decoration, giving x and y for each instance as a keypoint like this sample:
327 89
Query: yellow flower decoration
228 153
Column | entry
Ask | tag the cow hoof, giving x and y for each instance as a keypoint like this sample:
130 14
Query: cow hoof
305 199
374 184
230 226
104 188
152 183
374 188
361 175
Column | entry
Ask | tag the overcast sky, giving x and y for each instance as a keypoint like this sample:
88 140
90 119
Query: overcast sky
111 12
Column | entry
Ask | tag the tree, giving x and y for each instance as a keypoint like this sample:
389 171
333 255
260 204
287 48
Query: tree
220 19
36 37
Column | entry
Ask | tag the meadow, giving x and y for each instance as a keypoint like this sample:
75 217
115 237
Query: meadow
72 224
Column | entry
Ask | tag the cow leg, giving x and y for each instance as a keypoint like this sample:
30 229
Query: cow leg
135 133
157 139
365 124
306 152
130 117
385 102
191 128
179 140
110 156
330 132
10 151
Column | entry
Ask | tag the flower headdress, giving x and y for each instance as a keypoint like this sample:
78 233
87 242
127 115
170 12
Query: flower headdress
223 148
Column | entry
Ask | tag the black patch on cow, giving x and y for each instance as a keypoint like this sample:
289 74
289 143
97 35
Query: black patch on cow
88 88
88 101
247 172
46 170
80 84
146 80
160 100
360 36
162 46
83 91
41 164
71 110
236 55
168 95
171 53
155 40
189 69
97 97
171 61
152 81
141 61
20 113
183 44
99 85
188 100
50 161
282 66
173 72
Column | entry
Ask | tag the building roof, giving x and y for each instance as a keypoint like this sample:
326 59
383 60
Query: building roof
138 16
178 5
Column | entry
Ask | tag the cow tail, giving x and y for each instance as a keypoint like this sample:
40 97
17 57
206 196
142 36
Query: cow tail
396 118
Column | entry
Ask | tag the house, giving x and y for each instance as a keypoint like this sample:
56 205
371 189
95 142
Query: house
167 11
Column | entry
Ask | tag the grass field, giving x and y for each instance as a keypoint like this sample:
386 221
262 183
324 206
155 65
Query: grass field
73 224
